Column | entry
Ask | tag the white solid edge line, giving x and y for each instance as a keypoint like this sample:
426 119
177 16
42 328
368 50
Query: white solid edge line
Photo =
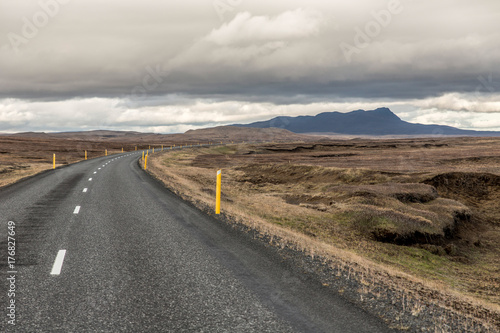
77 210
85 190
56 268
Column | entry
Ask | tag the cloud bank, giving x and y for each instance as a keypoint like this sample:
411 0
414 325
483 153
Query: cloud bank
73 64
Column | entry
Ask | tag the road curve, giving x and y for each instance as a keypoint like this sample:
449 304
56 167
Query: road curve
102 247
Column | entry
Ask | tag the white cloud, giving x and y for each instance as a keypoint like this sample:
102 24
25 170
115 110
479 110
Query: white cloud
178 113
248 29
463 119
462 102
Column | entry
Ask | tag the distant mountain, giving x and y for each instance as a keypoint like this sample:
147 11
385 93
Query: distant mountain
225 133
102 133
381 121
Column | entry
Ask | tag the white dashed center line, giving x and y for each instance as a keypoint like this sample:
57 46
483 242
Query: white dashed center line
90 179
98 168
95 172
84 190
56 268
77 210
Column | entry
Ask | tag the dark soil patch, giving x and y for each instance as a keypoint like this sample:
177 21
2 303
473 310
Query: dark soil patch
460 184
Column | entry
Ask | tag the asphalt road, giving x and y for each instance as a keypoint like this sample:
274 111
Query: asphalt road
139 259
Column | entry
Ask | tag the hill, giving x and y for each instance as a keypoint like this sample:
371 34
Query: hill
234 133
381 121
220 133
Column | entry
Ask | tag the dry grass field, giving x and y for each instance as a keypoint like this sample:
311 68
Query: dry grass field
423 211
418 218
26 154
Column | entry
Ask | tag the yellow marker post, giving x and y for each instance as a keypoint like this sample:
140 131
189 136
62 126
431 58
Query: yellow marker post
135 148
161 147
106 152
146 163
85 155
122 149
149 147
143 155
54 161
217 196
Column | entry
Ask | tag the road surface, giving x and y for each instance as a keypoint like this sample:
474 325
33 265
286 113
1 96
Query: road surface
102 247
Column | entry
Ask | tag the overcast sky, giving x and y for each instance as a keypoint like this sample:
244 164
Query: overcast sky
169 66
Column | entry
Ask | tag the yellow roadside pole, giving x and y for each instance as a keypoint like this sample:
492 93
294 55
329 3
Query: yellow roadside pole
54 161
161 147
106 152
146 163
149 147
135 148
122 149
85 155
217 196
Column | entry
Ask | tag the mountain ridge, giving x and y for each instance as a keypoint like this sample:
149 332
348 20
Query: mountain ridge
381 121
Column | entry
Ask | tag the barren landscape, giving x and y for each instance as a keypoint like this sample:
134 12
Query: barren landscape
26 154
422 211
250 166
414 223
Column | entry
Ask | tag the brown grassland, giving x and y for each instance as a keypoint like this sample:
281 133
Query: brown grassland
421 215
416 221
26 154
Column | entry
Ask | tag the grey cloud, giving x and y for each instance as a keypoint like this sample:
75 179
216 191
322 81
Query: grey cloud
280 53
96 49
